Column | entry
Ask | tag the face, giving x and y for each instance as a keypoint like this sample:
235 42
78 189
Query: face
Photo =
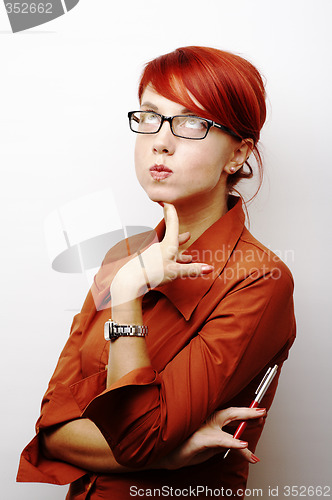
182 171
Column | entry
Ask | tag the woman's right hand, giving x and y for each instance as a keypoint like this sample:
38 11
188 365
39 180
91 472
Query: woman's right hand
157 265
210 440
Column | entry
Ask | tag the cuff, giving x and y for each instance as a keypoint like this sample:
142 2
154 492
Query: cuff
65 404
35 468
129 414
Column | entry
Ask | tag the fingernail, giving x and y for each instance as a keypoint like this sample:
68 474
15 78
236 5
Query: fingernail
244 443
261 410
206 268
254 458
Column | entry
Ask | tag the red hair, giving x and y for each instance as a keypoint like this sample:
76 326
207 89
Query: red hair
228 87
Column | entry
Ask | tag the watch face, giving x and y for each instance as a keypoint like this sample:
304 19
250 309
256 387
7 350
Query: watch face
111 330
108 330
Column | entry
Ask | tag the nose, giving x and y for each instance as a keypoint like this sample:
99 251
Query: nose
164 140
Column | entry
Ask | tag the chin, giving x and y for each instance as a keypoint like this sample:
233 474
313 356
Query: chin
162 198
159 201
169 195
177 202
158 195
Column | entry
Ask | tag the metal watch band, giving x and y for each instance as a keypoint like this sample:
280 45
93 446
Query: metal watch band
113 330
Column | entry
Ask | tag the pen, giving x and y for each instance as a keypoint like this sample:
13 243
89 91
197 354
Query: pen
260 391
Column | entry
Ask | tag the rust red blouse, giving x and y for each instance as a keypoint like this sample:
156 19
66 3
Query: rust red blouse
210 341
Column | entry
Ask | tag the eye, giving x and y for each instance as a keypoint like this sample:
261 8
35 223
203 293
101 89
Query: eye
149 117
194 122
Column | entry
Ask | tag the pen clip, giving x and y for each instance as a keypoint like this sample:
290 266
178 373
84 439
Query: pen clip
263 380
264 385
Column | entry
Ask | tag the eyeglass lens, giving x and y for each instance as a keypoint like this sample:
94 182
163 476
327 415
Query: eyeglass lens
191 127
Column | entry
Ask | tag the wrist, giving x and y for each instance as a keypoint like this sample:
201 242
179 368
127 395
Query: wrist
126 288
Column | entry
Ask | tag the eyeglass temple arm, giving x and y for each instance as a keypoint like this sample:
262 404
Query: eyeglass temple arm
226 129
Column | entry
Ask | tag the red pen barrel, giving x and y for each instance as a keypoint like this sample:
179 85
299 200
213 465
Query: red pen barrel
243 424
240 430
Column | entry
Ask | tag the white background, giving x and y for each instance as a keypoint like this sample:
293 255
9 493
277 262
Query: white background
65 89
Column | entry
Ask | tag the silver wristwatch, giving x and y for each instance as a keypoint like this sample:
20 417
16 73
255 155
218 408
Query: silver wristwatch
113 331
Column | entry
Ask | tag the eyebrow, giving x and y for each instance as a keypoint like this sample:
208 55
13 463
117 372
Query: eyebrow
152 106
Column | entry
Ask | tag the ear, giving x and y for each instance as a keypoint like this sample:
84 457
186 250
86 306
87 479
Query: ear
240 155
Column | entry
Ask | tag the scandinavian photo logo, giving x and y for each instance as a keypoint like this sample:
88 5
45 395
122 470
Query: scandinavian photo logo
28 14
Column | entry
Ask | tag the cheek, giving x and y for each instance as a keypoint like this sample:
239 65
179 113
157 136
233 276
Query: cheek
143 148
137 151
139 155
207 166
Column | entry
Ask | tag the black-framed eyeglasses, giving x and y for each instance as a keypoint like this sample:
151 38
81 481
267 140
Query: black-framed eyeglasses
185 126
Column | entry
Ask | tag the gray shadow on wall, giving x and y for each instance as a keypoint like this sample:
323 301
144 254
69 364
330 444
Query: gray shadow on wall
30 13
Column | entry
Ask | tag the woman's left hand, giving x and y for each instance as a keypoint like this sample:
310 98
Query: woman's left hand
160 263
210 439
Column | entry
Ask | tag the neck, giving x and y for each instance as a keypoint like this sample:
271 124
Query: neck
199 219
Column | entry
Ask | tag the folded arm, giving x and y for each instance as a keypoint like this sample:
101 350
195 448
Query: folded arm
81 443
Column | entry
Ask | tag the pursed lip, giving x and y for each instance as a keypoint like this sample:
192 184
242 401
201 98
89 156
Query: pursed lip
160 172
160 168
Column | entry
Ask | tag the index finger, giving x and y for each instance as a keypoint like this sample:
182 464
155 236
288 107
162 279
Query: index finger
172 225
224 417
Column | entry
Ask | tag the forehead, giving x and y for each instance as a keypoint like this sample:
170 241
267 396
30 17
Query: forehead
152 100
157 102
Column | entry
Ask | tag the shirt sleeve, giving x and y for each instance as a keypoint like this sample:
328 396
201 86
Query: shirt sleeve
68 392
146 414
65 399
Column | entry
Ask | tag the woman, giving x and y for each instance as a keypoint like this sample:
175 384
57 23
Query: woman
216 303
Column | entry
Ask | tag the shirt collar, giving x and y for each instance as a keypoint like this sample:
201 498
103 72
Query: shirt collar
213 247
